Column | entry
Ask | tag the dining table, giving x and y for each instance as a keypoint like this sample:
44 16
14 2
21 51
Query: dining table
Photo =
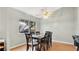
38 38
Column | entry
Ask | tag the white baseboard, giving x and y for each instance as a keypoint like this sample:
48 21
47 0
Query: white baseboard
53 41
17 45
63 42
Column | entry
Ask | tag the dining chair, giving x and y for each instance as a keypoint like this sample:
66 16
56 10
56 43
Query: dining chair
31 43
50 39
45 41
76 41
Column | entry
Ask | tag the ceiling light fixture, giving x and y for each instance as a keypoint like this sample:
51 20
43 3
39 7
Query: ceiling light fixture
46 13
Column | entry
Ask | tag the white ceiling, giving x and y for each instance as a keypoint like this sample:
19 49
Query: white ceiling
35 11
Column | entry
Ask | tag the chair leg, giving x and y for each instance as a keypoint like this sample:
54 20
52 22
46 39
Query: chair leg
32 48
47 46
27 47
77 48
51 43
42 47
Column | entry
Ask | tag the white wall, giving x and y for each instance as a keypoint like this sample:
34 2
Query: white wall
77 22
61 23
13 16
9 26
2 23
3 19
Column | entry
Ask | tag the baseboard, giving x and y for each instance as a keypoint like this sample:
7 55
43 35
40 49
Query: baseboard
53 41
63 42
16 46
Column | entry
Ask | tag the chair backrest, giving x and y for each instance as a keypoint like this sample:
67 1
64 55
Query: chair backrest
73 37
50 34
46 34
28 37
76 38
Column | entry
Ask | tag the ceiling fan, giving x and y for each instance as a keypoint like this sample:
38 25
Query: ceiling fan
44 13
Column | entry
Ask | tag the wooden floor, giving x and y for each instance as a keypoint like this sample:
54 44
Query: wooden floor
55 47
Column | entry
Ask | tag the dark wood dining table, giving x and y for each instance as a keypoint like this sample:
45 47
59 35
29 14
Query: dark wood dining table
38 37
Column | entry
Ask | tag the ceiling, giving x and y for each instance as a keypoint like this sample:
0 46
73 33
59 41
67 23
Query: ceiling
35 11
